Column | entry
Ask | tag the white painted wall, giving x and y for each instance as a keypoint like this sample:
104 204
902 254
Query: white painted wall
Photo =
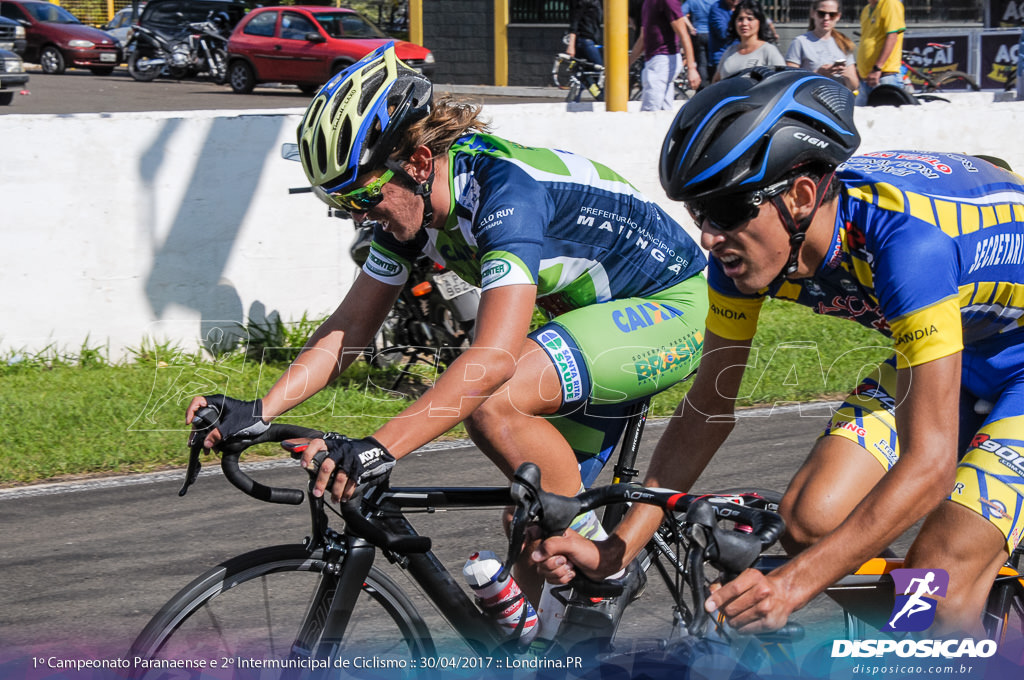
120 227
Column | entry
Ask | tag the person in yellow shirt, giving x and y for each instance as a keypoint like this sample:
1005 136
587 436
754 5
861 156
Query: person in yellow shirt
881 46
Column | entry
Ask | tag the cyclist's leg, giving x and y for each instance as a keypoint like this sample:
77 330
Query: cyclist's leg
607 353
858 447
588 50
972 534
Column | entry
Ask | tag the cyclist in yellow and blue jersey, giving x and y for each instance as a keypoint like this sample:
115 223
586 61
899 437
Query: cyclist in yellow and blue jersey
925 247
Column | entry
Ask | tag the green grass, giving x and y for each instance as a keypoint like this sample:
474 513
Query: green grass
77 413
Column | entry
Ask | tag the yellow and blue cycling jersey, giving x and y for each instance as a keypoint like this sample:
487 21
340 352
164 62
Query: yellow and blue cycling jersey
928 249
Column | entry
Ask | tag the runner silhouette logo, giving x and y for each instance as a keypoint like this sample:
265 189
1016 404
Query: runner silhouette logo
916 591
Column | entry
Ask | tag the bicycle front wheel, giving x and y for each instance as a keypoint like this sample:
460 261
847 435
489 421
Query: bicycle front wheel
956 80
262 608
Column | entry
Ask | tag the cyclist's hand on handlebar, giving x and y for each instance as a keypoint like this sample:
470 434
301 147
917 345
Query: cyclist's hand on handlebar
559 557
237 422
343 464
753 602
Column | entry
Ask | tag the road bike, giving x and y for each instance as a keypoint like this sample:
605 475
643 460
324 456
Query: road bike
575 76
926 82
324 601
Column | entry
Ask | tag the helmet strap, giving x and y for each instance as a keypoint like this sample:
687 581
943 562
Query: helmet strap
419 188
798 230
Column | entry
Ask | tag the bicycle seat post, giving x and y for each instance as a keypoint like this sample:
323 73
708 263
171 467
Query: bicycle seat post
625 470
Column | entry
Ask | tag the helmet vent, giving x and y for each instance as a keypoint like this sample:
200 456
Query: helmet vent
338 99
321 153
343 145
314 110
835 98
304 157
369 91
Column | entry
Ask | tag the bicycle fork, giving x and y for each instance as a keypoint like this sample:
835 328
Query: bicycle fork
323 627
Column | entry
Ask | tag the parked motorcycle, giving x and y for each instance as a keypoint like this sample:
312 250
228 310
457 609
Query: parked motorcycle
201 48
432 320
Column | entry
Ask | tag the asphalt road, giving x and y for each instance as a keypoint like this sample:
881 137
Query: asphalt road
79 91
85 565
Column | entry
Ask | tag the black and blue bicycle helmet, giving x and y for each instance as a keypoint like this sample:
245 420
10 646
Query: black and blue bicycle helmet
746 132
741 141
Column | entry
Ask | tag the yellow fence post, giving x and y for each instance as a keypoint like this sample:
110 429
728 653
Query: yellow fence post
501 42
616 54
416 21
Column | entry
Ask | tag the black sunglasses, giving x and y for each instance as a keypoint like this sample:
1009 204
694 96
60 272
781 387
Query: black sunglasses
823 15
726 213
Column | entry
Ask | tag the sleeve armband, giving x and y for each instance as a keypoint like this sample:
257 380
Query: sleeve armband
732 318
931 333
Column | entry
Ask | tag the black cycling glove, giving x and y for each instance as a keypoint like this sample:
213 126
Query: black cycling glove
364 461
239 422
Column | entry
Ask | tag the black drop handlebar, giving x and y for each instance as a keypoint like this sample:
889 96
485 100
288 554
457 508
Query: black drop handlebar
729 550
206 419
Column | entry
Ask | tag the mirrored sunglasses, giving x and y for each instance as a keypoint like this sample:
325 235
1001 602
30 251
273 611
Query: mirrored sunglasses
726 213
360 200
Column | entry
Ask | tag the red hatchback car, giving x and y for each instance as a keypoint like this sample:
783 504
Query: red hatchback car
305 46
57 40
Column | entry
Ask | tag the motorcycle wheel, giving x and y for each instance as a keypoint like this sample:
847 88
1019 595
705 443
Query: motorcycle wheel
143 75
219 67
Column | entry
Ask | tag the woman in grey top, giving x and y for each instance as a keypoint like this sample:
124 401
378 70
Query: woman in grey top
750 26
823 49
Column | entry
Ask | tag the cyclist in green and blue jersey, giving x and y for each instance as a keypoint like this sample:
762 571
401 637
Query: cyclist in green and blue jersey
619 278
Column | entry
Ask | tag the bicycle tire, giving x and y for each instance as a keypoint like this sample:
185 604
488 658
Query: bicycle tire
1004 613
942 80
561 72
216 617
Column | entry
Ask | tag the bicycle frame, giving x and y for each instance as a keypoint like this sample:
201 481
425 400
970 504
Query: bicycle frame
353 556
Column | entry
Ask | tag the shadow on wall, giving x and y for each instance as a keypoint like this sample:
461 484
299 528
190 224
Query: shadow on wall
189 266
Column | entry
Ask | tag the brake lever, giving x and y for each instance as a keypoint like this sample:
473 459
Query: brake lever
202 423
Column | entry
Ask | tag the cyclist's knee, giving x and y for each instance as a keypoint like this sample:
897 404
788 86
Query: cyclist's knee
805 524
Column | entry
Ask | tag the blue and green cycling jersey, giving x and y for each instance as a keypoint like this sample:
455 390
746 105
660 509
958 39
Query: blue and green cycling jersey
928 248
572 227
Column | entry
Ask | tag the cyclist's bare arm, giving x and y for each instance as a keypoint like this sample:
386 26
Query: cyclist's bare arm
503 321
351 326
698 428
926 420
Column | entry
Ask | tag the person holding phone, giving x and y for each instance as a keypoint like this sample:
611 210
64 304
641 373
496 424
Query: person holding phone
823 49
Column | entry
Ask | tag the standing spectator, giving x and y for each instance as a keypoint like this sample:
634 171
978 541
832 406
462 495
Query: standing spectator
699 12
750 26
823 49
719 38
881 46
585 20
662 31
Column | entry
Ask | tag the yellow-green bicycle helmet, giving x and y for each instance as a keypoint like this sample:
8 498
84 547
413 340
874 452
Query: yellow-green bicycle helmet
356 120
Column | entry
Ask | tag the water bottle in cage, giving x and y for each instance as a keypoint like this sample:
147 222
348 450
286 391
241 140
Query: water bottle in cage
500 596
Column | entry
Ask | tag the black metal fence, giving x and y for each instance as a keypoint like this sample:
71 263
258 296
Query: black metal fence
780 11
